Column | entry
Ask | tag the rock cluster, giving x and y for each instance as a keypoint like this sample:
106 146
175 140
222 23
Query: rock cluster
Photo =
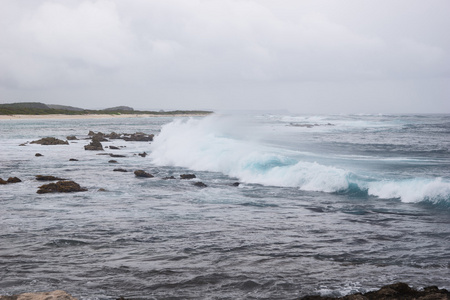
64 186
94 145
396 291
136 137
50 141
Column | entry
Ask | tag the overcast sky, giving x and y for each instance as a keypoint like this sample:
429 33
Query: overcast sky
337 56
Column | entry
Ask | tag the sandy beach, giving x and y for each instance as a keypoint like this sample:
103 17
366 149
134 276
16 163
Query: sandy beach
93 116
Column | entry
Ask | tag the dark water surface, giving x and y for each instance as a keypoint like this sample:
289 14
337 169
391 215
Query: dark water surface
325 209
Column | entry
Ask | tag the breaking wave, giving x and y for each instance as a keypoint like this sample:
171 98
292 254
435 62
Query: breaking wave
222 144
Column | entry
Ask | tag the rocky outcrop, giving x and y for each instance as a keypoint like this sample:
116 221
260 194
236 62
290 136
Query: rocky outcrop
66 186
47 178
142 173
50 141
187 176
94 145
143 154
55 295
10 180
71 138
38 154
396 291
120 170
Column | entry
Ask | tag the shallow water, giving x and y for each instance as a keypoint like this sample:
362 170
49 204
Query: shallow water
345 204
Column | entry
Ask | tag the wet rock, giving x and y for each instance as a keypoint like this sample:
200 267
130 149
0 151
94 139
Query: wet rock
120 170
38 154
67 186
114 148
73 159
50 141
144 154
187 176
101 190
23 144
47 178
55 295
142 173
71 138
396 291
235 184
91 133
117 155
113 136
112 161
138 137
95 145
13 180
200 184
171 177
10 180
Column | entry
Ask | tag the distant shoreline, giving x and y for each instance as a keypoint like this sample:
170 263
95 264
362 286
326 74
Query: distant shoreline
96 116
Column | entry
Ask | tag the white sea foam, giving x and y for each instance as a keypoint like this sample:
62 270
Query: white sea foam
223 144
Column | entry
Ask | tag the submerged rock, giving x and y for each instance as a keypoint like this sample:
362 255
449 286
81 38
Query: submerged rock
55 295
187 176
120 170
200 184
142 173
396 291
47 178
67 186
73 159
38 154
50 141
170 177
112 161
114 147
143 154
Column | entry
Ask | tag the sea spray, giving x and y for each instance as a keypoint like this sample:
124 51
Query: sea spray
227 145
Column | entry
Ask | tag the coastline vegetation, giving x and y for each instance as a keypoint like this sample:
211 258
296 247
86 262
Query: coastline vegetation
37 108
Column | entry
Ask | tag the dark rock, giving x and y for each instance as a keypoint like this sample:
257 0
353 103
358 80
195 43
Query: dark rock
23 144
113 136
50 141
138 137
117 155
73 159
10 180
120 170
61 187
91 133
114 148
112 161
71 138
13 180
235 184
38 154
94 145
171 177
48 178
396 291
187 176
200 184
142 173
144 154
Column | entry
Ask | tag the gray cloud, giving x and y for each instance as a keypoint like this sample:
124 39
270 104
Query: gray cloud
305 56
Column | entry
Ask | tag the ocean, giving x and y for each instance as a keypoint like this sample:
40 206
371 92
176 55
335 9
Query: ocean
294 205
